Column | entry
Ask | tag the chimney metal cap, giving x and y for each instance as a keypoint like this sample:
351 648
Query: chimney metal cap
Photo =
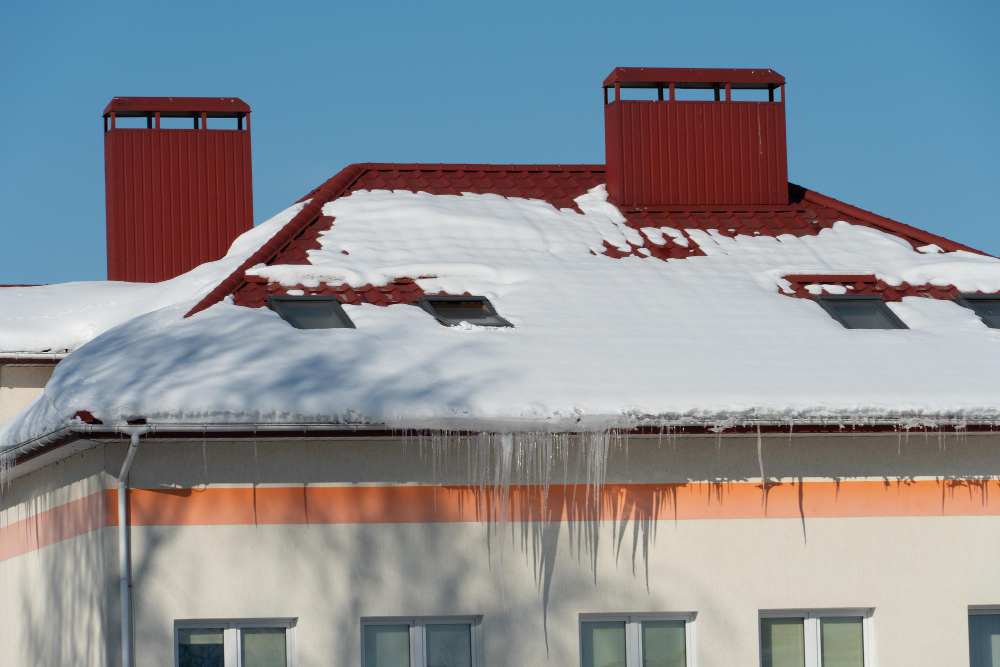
177 107
692 77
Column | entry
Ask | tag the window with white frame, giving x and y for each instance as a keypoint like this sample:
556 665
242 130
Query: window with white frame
421 642
816 638
234 643
643 640
984 637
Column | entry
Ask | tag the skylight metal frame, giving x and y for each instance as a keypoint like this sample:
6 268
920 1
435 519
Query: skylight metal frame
966 301
274 302
824 301
427 303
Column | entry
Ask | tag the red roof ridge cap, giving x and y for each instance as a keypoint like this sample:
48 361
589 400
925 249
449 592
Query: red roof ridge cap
325 193
887 223
481 166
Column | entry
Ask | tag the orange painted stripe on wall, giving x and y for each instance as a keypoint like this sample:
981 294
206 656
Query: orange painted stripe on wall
427 504
54 525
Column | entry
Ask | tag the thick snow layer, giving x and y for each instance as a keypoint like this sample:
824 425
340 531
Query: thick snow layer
60 318
597 340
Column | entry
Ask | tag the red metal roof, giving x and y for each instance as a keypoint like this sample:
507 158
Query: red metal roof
214 107
653 77
807 214
869 285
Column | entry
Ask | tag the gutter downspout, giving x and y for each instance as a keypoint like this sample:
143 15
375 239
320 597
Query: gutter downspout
124 547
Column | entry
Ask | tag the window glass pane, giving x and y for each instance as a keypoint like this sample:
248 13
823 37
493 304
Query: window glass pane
473 312
449 645
663 644
861 314
782 642
200 647
988 310
842 641
984 640
603 643
263 647
387 646
310 314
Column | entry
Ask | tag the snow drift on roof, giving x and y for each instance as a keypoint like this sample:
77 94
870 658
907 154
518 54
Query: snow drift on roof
596 340
60 318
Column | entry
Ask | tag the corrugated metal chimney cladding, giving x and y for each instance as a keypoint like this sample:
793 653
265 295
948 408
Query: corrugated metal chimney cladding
176 197
671 153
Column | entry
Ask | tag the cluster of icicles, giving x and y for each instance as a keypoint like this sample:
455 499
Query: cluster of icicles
496 462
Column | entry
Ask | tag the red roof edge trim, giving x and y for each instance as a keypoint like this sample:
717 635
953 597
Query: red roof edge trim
887 224
327 192
470 166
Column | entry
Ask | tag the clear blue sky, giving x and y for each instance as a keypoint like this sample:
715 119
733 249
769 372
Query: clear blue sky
891 106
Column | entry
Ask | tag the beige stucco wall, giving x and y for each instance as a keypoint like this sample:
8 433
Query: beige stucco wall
19 385
919 574
58 602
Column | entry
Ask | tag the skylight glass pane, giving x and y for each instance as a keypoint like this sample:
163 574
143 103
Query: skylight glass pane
311 313
474 312
308 315
842 641
200 647
603 643
988 311
861 314
782 642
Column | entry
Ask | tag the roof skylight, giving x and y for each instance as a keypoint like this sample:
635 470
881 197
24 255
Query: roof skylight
986 306
310 312
860 312
453 310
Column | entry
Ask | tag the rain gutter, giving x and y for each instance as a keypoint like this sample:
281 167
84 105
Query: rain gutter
32 357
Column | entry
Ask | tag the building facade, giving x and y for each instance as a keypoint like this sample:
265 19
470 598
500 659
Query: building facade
674 411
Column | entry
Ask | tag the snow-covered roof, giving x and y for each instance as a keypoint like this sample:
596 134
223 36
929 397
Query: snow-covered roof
620 318
61 318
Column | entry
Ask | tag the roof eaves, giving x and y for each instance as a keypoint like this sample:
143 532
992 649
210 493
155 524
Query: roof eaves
51 447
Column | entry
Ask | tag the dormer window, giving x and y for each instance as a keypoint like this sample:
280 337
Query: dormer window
986 306
860 312
453 310
310 312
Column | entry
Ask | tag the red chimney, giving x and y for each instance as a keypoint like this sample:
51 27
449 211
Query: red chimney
671 153
176 197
